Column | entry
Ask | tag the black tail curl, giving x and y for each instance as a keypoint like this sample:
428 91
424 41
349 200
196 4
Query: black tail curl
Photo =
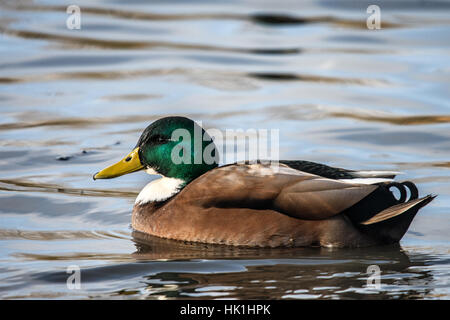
401 187
383 197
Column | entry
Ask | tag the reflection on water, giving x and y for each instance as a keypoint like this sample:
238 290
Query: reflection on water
170 269
72 101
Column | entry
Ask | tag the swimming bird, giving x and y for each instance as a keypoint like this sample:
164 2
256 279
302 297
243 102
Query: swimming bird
258 204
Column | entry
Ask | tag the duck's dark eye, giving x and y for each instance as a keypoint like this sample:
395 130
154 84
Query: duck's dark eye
157 139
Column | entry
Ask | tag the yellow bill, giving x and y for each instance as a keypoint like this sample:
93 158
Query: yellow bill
130 163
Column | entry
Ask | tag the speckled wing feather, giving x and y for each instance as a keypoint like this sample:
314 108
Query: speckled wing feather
286 190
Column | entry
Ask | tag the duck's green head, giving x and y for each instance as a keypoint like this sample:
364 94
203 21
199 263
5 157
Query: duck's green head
174 147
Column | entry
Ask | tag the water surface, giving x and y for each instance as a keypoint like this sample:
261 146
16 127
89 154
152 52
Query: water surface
74 101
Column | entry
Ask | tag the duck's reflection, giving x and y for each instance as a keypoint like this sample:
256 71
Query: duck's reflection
288 272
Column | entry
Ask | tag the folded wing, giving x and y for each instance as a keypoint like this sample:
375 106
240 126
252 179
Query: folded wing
292 192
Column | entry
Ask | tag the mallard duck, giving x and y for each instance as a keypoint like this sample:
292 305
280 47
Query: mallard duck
296 203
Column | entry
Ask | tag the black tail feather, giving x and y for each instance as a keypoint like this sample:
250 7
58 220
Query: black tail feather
414 193
392 229
400 188
381 199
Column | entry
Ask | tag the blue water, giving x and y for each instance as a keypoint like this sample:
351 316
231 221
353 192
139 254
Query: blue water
74 101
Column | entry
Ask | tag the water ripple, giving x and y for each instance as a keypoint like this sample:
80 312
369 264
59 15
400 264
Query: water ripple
265 18
29 186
